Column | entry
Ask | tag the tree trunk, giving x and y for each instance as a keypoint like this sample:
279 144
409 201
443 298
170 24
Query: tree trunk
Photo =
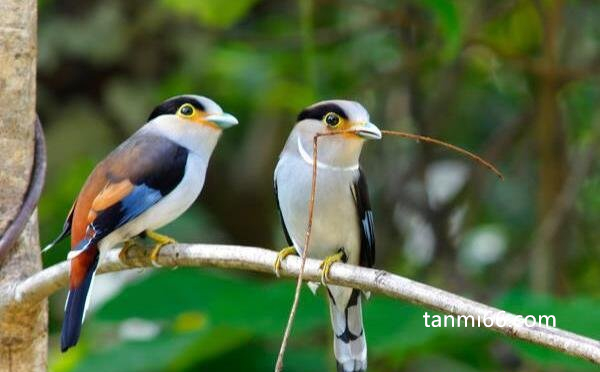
23 330
551 150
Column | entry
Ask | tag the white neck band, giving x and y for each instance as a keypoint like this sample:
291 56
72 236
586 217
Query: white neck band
309 160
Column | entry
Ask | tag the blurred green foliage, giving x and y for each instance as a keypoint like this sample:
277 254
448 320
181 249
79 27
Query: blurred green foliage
493 76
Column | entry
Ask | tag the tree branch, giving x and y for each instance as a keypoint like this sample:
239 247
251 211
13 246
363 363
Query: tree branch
46 282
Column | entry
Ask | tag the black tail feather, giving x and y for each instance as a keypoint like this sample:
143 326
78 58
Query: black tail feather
75 310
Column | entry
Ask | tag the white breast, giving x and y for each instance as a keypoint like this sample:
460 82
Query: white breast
335 220
168 208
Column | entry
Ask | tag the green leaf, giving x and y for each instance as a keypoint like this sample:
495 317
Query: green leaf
257 356
238 302
394 328
170 351
588 203
211 314
517 32
439 363
450 24
214 13
581 110
569 315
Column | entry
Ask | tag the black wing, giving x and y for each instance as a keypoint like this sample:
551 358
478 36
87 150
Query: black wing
285 231
365 217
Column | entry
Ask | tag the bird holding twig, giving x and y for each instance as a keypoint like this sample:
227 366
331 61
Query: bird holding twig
341 228
145 183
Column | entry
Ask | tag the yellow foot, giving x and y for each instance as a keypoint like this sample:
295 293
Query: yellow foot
127 245
161 241
281 256
328 261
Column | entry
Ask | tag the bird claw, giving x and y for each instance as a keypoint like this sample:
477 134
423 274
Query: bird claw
161 241
280 257
328 262
127 245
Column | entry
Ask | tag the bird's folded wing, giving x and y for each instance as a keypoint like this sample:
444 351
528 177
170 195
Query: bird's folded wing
128 182
285 230
365 216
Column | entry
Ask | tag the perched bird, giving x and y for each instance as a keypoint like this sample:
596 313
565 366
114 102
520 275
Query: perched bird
342 228
145 183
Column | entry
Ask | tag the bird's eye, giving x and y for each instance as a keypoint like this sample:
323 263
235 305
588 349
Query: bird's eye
186 110
332 119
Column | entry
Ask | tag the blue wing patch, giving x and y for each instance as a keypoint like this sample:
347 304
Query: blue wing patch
139 200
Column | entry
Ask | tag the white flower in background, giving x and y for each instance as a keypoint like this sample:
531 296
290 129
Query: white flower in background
482 246
443 180
419 240
138 329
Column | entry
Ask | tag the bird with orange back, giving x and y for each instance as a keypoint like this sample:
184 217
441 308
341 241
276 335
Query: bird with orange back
144 184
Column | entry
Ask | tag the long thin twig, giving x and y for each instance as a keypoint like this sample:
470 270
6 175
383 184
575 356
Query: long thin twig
48 281
311 208
420 138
